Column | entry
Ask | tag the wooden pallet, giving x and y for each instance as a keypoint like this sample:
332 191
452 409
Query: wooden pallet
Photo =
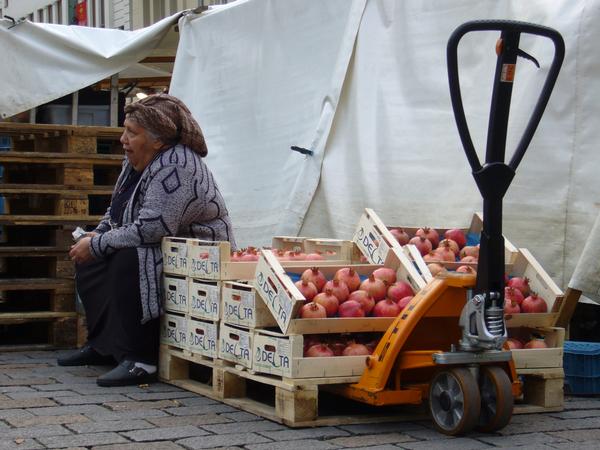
306 403
296 403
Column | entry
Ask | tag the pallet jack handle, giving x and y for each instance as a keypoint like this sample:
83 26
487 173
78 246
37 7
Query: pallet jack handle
494 177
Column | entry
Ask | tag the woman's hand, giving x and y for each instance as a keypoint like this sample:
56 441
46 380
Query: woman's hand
80 251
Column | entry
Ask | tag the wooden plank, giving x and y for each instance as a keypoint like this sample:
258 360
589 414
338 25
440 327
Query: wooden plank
568 307
32 251
60 158
15 318
31 284
17 129
9 219
54 189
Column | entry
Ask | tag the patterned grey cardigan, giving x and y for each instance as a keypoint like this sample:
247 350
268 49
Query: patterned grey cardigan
175 196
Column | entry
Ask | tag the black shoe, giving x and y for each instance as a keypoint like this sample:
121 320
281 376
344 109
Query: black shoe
126 374
86 356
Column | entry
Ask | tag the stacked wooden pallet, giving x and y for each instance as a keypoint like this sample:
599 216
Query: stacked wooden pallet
56 178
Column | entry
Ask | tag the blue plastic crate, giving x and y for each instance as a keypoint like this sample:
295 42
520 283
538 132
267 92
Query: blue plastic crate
582 359
582 385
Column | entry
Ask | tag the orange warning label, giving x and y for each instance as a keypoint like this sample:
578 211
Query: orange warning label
508 73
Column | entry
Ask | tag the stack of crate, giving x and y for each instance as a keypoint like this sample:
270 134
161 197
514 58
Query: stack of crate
56 178
211 302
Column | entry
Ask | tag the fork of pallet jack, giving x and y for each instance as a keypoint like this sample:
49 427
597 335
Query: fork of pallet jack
494 177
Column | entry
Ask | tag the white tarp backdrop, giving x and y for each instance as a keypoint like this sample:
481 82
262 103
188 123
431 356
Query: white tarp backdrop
364 85
43 62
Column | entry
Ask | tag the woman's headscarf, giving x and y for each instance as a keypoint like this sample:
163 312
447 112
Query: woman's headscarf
169 120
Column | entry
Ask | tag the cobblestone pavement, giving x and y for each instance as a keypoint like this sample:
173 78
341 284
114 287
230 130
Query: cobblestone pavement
45 406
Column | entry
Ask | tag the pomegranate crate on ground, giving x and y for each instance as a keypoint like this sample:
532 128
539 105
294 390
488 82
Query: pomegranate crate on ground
235 345
374 239
538 358
525 265
213 260
283 355
241 306
274 284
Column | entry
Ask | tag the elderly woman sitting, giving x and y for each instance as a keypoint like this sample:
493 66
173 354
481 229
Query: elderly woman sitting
164 189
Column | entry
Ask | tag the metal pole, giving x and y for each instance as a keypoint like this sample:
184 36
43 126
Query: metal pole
74 107
114 100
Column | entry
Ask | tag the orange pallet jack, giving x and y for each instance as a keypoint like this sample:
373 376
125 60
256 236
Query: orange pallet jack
446 346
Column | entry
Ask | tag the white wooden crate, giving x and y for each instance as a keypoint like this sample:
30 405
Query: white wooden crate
175 289
241 306
284 299
204 298
203 337
173 330
175 260
235 345
278 354
540 358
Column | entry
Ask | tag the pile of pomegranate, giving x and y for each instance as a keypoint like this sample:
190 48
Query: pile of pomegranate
519 298
252 253
534 342
346 295
357 344
453 247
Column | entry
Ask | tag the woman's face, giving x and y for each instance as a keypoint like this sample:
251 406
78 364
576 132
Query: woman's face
140 147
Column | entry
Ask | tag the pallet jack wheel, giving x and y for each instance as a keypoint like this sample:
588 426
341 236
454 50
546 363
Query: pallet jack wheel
454 401
496 399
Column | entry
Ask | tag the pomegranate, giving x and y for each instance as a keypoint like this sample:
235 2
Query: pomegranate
431 257
404 301
374 287
329 301
453 245
338 288
514 344
521 284
366 301
469 250
297 256
319 351
310 340
423 244
468 259
313 310
435 268
249 257
534 304
445 253
511 307
400 235
337 348
399 290
513 295
457 235
536 343
317 256
386 308
465 269
307 289
356 349
351 308
385 274
316 276
431 234
349 276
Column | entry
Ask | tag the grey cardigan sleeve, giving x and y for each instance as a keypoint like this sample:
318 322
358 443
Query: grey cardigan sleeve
163 199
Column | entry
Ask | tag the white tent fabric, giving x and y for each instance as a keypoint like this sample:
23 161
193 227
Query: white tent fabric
587 272
44 61
263 75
